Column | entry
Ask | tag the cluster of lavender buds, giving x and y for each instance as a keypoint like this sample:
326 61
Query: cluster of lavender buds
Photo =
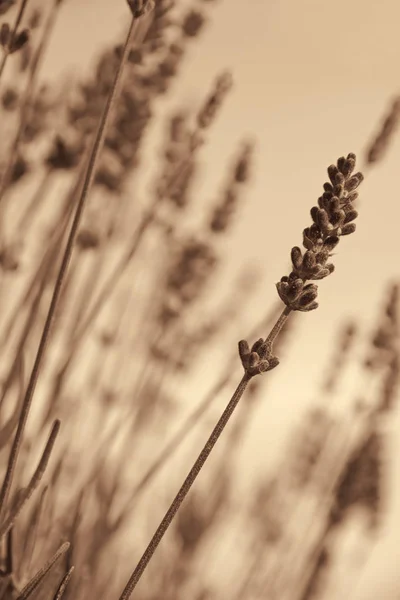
257 359
333 217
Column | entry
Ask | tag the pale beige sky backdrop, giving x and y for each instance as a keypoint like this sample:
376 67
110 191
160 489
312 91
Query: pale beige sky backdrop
312 79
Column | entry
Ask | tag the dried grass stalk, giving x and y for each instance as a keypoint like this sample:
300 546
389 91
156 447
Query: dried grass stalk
41 574
34 482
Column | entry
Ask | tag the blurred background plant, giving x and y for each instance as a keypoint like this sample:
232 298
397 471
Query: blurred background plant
142 311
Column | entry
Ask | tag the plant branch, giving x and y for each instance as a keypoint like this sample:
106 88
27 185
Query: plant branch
63 585
41 574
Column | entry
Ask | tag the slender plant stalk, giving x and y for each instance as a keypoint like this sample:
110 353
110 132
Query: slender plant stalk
6 574
70 344
17 375
46 264
63 585
187 484
88 180
277 327
9 555
198 465
41 574
34 482
31 536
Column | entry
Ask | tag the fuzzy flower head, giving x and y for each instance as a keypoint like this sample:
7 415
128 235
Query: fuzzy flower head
333 217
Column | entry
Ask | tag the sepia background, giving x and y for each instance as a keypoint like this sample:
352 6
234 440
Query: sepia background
312 82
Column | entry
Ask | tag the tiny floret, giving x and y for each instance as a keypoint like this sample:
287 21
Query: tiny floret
258 359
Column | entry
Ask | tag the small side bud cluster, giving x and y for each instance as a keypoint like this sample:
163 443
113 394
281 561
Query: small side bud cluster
258 359
332 218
